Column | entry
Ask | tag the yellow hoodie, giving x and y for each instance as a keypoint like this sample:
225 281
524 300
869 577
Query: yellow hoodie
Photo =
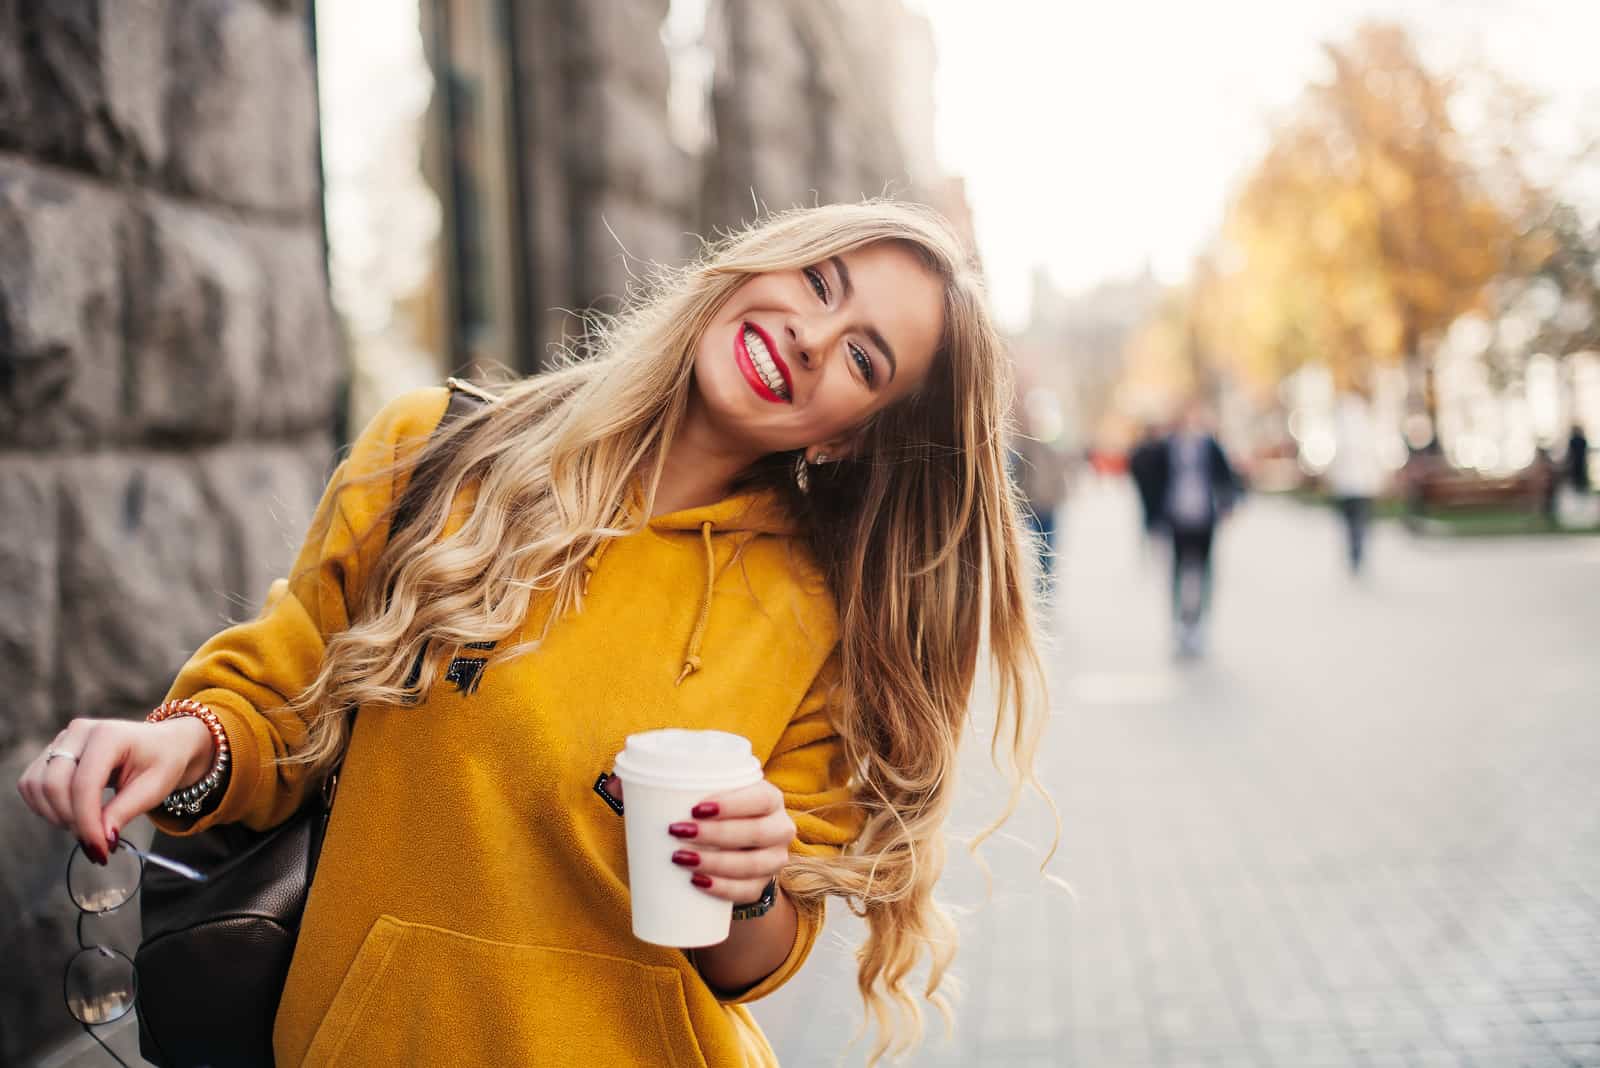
471 903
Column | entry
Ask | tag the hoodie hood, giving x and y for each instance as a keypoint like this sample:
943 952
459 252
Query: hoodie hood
754 512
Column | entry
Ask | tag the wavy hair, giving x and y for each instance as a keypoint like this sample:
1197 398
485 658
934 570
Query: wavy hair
917 534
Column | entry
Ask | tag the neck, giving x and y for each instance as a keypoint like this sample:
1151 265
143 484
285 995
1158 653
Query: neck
701 465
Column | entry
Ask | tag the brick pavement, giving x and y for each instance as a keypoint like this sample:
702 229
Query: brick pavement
1364 831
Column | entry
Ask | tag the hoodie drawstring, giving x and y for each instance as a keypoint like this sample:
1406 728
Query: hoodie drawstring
691 662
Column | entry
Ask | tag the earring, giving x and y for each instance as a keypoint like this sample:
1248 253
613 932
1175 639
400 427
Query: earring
822 458
802 478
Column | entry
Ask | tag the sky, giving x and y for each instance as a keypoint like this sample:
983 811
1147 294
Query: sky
1098 137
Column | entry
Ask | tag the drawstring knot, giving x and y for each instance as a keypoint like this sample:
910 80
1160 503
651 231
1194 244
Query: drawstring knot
691 660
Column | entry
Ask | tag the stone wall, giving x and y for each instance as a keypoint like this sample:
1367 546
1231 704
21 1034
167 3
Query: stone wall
169 369
169 361
801 114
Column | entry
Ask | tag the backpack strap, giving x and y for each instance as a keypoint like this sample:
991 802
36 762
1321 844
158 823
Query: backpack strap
465 398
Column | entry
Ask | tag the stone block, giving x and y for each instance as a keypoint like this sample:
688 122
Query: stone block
647 236
29 545
92 77
197 292
61 309
304 362
14 95
263 500
243 99
631 152
143 578
36 920
621 41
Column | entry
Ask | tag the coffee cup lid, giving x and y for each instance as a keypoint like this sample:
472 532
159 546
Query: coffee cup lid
675 757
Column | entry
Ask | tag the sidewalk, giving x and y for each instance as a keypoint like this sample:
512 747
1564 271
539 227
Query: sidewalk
1363 832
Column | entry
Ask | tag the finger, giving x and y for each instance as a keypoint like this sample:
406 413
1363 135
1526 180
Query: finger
101 756
773 830
758 799
737 891
55 780
30 786
135 797
759 864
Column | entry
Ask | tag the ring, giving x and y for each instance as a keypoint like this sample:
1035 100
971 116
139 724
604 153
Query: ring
51 754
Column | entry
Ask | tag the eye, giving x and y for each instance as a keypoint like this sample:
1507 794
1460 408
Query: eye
863 361
819 284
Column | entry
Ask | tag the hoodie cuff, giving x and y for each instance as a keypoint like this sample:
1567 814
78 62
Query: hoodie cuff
244 772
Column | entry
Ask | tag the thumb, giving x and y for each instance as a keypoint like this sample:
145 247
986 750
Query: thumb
137 796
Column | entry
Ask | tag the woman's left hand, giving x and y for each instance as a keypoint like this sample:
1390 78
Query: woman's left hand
735 842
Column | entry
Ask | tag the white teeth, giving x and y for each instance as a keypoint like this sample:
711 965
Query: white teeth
764 364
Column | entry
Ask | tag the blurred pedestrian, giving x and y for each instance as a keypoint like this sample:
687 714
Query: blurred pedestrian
770 505
1145 463
1197 487
1355 477
1578 459
1041 469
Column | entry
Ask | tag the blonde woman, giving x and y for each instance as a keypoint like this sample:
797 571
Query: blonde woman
774 502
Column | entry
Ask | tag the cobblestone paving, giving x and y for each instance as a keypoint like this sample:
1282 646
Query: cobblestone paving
1365 830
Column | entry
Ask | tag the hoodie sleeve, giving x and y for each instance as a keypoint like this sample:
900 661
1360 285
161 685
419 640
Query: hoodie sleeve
809 766
248 673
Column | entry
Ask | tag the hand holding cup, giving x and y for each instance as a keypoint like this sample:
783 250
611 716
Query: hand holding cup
696 800
735 842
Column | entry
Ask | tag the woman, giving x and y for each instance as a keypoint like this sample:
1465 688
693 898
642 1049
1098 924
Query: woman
773 502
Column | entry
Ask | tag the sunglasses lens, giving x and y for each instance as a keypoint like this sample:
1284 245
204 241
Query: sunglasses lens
99 889
100 985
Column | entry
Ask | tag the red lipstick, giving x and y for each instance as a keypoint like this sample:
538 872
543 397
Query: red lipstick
741 356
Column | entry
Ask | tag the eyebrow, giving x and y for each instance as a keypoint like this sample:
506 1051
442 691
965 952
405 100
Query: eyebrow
872 332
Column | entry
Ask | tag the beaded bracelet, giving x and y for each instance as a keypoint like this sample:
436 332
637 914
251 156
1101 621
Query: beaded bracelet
188 800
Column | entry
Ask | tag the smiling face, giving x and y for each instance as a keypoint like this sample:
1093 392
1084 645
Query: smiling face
801 359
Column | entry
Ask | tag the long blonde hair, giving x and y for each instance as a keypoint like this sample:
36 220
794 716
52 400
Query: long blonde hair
914 532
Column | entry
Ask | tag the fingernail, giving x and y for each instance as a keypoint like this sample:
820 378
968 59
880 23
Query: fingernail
701 879
705 810
115 841
683 830
688 858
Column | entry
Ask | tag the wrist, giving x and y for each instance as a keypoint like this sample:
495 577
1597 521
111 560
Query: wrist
191 736
190 800
763 903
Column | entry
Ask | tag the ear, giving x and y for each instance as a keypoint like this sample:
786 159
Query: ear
835 449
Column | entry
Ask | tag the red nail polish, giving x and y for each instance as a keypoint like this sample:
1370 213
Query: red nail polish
687 858
705 810
701 879
683 830
115 841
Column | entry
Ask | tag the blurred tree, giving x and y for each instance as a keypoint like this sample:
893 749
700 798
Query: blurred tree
1370 224
1567 279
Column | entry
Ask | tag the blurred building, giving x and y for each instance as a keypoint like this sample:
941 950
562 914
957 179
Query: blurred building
570 146
172 374
1076 345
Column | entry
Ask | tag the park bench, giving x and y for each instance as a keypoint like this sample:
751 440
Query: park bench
1448 489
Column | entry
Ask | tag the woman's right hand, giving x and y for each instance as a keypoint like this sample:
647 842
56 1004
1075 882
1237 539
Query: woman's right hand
143 762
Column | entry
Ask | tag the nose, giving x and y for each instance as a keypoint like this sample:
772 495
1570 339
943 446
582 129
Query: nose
809 339
800 349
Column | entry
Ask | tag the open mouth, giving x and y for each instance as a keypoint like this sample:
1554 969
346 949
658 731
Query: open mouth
761 365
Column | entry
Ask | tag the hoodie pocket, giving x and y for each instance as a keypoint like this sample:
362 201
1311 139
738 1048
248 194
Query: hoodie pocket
425 995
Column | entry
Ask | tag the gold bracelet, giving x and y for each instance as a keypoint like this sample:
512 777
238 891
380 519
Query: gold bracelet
188 800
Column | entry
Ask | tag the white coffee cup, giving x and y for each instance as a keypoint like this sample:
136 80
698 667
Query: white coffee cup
664 774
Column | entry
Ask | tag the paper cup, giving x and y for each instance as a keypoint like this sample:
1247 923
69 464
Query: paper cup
664 774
